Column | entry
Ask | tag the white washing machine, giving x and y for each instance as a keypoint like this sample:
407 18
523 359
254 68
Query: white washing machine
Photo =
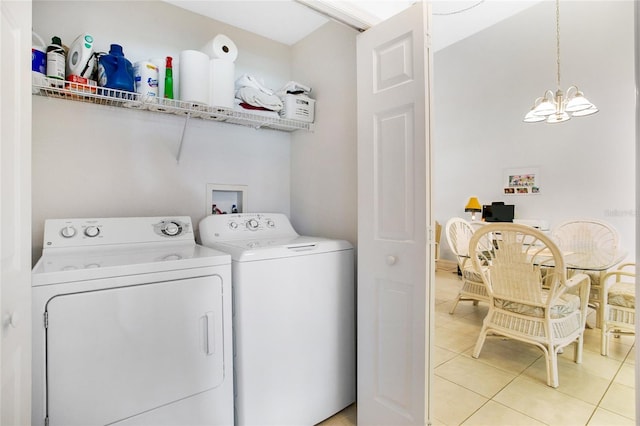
293 318
131 325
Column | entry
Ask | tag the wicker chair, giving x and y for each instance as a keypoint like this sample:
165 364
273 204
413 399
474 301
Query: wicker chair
458 233
548 312
618 303
588 238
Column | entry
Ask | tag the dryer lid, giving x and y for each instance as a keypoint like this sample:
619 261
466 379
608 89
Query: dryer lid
70 265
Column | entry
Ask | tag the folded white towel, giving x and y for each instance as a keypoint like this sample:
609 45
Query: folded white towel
256 97
294 87
246 80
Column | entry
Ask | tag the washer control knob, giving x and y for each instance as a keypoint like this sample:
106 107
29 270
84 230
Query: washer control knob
252 224
68 231
92 231
233 225
172 229
270 223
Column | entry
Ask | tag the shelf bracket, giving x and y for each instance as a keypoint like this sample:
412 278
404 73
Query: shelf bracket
184 129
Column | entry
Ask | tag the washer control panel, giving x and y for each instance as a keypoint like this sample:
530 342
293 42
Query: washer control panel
104 231
256 222
245 226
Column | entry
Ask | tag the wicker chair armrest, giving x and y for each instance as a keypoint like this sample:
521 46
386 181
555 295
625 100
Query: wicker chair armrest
627 267
580 283
577 280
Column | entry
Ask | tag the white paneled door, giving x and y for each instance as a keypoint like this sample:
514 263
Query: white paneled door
15 212
395 244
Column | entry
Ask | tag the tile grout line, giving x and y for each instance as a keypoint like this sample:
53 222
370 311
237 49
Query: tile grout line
604 394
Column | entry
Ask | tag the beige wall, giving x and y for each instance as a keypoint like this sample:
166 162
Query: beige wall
324 163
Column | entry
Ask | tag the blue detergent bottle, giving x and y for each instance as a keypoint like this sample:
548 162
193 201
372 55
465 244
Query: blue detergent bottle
115 71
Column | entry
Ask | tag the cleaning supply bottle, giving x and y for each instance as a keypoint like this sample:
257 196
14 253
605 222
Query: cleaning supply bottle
55 59
38 54
168 79
80 60
115 71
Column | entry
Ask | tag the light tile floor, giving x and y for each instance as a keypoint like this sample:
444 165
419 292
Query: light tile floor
506 385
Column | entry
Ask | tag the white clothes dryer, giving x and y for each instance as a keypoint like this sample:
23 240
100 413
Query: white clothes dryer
131 325
293 319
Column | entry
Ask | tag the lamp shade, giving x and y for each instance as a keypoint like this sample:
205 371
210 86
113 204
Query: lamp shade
578 103
545 108
584 112
473 205
531 117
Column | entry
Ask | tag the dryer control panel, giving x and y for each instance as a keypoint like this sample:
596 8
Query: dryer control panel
60 233
244 226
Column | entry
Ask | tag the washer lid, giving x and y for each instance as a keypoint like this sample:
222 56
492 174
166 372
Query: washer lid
69 265
261 249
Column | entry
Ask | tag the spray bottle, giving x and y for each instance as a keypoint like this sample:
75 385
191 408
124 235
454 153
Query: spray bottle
168 79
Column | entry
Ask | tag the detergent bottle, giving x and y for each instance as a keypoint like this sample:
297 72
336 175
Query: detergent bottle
38 54
115 71
56 59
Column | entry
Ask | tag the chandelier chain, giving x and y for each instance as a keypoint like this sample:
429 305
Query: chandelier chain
558 41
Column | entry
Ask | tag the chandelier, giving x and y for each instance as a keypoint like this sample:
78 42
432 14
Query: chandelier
559 106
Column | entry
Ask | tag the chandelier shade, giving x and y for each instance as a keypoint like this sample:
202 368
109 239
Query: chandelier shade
559 107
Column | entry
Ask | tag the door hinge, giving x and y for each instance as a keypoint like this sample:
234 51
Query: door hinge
46 325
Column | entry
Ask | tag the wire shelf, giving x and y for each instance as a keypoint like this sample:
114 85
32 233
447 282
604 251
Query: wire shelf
60 89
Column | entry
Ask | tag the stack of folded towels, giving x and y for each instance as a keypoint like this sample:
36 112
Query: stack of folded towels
252 95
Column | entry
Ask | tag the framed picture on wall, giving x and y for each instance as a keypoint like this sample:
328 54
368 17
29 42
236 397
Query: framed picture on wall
521 181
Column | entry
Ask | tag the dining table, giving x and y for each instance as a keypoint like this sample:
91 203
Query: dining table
594 263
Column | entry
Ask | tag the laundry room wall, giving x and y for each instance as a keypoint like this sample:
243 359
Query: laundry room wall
100 161
323 163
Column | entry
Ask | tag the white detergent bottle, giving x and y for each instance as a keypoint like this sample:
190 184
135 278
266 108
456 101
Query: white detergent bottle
80 60
55 59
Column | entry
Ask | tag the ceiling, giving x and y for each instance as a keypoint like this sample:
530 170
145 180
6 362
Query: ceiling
288 21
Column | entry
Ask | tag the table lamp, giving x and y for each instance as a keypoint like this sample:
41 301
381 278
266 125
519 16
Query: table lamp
473 206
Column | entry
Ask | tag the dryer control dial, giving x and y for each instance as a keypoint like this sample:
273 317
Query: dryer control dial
171 229
68 231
